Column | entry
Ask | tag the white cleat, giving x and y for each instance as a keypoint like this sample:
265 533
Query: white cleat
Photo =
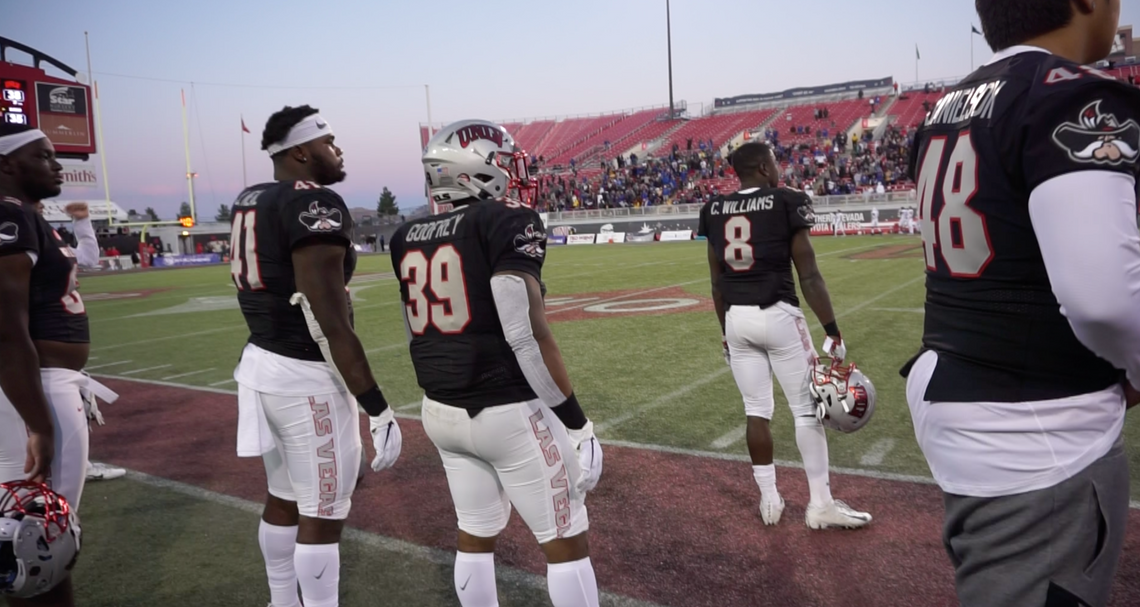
835 515
771 510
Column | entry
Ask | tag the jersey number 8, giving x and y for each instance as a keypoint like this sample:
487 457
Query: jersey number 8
443 273
959 231
737 244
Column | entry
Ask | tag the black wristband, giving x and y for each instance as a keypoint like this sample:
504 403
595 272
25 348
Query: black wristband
570 413
372 401
831 328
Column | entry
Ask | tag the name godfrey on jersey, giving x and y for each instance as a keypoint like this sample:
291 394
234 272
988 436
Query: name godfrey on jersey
965 104
435 229
735 207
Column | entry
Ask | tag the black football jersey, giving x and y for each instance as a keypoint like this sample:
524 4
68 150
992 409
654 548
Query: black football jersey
751 233
269 221
55 309
990 310
445 263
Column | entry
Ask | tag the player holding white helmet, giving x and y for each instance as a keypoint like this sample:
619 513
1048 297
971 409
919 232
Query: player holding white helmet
755 235
498 402
844 397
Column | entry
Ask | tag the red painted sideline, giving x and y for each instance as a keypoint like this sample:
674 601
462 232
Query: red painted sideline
676 530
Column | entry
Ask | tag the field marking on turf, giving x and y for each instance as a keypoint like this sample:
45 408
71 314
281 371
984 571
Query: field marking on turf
731 457
145 369
910 310
617 268
187 374
626 296
121 362
877 453
730 438
410 406
387 347
222 383
510 576
848 250
181 336
661 401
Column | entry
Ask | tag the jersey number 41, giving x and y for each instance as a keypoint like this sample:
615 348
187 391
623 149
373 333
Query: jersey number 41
950 227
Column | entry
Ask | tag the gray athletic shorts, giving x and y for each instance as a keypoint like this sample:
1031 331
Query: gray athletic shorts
1055 547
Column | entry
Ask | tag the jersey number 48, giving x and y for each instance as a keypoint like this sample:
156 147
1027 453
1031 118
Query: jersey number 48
958 232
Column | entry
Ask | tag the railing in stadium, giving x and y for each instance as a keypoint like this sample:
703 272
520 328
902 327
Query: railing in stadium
694 209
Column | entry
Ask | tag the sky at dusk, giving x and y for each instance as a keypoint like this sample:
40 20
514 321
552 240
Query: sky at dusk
364 63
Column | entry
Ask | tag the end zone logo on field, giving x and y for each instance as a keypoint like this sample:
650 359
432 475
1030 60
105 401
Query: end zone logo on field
669 300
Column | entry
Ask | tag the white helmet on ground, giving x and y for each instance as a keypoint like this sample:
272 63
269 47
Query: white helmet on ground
39 539
476 159
844 397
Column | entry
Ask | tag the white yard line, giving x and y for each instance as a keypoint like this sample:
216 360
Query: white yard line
168 337
221 383
145 370
880 296
730 438
387 347
121 362
732 457
907 310
877 453
660 401
510 576
187 374
410 406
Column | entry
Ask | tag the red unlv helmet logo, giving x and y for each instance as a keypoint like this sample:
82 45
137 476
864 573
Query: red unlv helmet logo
859 401
476 132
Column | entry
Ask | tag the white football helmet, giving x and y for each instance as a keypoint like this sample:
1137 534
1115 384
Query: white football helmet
39 539
844 397
477 159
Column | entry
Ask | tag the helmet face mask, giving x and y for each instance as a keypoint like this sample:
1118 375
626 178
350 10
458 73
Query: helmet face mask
477 159
844 396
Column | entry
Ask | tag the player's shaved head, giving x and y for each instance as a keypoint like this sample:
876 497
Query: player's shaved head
755 165
1007 23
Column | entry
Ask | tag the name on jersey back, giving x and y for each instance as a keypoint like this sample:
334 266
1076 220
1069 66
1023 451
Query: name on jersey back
748 205
443 228
960 106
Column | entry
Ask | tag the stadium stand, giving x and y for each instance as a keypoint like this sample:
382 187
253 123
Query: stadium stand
911 107
808 126
718 129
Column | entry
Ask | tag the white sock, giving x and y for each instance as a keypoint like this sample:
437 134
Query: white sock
318 571
765 477
812 441
475 579
572 584
277 545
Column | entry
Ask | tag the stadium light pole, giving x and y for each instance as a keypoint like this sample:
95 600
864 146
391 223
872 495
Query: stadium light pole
669 42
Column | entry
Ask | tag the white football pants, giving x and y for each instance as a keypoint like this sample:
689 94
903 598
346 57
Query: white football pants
510 454
763 341
69 466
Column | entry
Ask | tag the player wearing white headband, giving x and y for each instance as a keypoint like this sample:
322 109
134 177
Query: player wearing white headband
44 337
303 371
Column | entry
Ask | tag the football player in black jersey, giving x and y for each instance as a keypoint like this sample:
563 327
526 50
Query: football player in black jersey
304 370
1026 176
498 402
754 236
44 337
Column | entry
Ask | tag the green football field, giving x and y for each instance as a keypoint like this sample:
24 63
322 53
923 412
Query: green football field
642 345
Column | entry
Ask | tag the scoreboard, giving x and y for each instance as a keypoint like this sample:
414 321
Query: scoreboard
61 108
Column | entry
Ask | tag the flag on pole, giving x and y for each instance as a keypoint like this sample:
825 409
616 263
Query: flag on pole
974 30
244 129
916 55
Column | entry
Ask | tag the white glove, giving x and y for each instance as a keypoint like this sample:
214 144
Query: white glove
88 394
724 345
386 438
835 348
589 456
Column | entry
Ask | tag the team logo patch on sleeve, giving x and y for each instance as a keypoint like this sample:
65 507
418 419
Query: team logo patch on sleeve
321 219
532 242
9 232
807 212
1099 138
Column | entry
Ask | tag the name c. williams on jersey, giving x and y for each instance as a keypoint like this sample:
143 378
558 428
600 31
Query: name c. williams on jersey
736 207
960 106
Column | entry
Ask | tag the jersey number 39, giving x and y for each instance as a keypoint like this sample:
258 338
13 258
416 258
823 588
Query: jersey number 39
443 275
958 232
